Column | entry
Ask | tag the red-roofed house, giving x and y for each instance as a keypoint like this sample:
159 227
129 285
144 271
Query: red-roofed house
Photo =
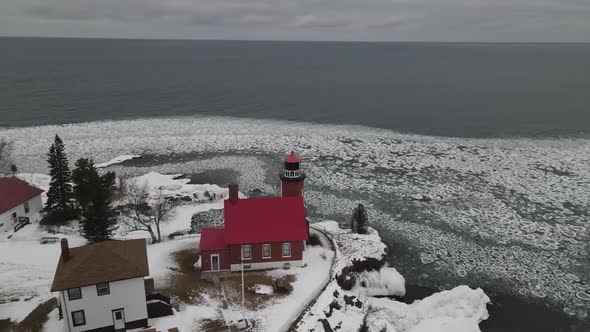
18 199
262 233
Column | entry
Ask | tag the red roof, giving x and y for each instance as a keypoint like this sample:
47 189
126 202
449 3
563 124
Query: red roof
292 158
212 238
14 192
260 220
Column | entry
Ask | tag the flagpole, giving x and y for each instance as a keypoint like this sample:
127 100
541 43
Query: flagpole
243 306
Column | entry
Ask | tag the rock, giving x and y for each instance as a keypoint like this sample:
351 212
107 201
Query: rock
206 219
172 199
349 300
186 199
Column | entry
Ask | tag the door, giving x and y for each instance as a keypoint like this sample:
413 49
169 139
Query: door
214 262
119 319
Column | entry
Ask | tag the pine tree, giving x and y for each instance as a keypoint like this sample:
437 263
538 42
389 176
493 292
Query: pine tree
360 220
59 205
84 184
94 193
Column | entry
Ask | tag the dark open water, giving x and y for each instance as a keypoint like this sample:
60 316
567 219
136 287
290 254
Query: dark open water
476 90
465 90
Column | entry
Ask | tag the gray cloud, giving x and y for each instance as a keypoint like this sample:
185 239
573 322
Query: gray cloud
437 20
312 21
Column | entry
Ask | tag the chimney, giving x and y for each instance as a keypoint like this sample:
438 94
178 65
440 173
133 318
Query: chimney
233 191
65 250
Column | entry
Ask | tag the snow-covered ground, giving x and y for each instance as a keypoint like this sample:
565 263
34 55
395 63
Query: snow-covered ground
274 315
26 270
205 197
460 309
117 160
172 185
27 267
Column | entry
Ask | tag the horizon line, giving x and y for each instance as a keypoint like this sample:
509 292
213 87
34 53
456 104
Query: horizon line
299 40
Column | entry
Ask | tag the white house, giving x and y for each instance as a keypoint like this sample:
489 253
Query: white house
18 199
101 286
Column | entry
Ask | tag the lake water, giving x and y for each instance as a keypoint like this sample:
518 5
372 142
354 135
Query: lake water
474 90
494 135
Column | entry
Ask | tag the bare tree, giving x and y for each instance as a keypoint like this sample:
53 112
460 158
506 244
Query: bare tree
5 156
144 212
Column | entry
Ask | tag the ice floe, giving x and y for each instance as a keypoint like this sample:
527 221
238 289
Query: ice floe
510 212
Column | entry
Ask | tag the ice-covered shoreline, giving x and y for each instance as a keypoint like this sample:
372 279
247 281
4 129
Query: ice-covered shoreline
511 211
458 309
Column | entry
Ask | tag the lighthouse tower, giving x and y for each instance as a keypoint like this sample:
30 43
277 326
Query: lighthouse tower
292 177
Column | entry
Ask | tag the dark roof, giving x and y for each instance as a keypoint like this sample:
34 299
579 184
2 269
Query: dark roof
212 238
101 262
260 220
14 192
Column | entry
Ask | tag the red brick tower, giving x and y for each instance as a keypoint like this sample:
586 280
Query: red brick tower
292 177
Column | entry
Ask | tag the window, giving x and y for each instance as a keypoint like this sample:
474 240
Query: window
14 216
246 251
27 210
286 249
266 250
74 293
78 318
103 289
118 315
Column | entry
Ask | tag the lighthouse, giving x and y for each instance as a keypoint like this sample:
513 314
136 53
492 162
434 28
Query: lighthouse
292 176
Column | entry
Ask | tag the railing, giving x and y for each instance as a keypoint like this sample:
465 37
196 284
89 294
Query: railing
20 223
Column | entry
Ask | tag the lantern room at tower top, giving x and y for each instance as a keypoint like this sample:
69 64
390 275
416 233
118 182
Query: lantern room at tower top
292 177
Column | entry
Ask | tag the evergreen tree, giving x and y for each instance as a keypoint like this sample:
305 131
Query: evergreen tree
94 194
59 205
5 156
84 183
360 220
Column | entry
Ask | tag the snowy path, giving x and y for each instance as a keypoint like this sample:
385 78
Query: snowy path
326 241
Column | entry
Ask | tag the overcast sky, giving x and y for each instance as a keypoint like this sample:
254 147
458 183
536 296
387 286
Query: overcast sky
388 20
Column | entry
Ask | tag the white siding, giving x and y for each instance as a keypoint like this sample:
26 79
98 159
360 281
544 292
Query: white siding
5 221
126 294
266 265
35 206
